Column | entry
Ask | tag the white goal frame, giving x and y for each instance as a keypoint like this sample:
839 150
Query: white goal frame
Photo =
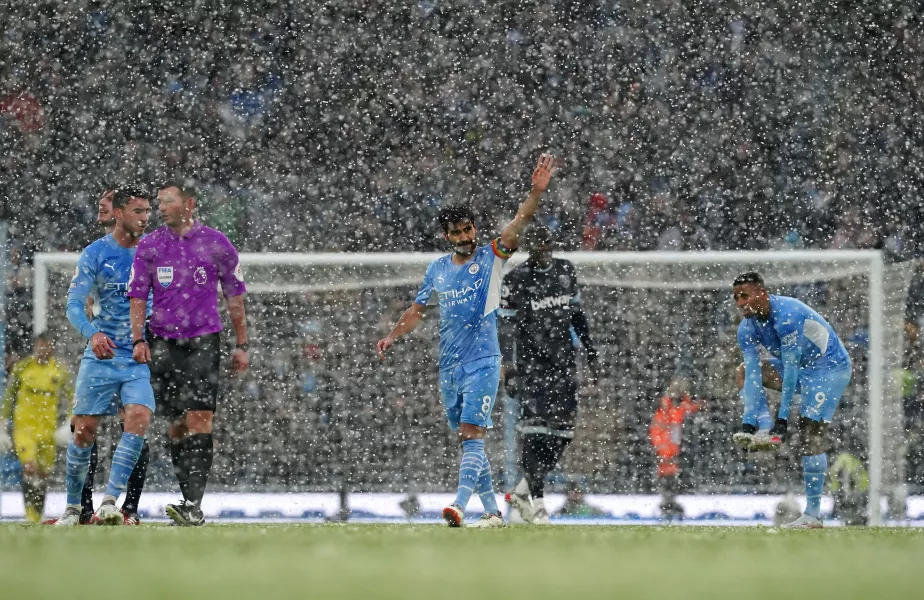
872 259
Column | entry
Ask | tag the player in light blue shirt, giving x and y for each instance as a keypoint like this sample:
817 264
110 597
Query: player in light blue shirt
806 358
108 372
467 286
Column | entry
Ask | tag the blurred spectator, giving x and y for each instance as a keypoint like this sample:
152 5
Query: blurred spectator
666 435
575 505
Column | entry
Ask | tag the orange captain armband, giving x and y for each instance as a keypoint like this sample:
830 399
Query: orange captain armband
501 251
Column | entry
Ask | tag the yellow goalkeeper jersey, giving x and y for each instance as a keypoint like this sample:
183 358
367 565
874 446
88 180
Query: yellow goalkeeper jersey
33 393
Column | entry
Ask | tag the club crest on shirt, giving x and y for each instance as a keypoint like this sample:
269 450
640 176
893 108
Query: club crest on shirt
165 276
565 280
199 275
474 268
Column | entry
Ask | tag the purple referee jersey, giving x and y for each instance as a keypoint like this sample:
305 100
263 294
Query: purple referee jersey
184 273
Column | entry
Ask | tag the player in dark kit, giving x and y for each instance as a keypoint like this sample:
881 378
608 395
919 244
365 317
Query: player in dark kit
183 262
541 306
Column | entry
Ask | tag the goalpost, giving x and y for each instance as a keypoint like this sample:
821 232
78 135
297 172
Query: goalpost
657 315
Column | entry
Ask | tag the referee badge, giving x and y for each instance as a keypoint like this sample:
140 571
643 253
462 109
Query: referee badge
200 276
165 276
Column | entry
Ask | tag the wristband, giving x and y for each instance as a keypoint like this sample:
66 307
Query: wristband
141 341
241 347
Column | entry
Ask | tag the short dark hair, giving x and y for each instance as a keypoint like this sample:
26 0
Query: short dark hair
749 277
121 196
537 232
186 191
455 213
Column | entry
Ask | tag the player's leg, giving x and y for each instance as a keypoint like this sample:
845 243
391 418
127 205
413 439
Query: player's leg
519 496
86 496
543 451
78 463
558 407
138 402
95 391
26 444
485 382
45 464
469 470
479 390
821 395
136 486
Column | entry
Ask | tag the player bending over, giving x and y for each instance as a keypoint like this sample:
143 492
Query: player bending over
541 306
468 286
807 358
107 371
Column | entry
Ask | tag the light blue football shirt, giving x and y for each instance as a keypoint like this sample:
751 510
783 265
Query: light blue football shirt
796 334
469 296
103 270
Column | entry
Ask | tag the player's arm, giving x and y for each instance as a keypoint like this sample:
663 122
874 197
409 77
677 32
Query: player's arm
791 354
406 324
139 289
582 330
66 402
412 316
12 390
753 390
510 236
81 285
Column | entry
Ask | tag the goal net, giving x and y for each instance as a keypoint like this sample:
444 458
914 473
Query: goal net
319 412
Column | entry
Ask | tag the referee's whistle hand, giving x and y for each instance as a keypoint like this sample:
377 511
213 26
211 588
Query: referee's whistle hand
141 353
239 360
102 347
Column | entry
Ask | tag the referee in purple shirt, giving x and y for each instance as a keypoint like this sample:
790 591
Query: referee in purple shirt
183 262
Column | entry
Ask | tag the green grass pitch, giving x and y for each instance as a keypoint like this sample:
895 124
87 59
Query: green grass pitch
268 562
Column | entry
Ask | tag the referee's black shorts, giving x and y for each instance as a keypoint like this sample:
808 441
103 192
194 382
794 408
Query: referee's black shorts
184 373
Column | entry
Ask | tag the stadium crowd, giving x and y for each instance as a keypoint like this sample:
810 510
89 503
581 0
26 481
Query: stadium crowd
330 127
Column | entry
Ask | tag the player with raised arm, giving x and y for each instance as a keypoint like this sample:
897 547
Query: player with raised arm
108 374
541 317
807 358
468 286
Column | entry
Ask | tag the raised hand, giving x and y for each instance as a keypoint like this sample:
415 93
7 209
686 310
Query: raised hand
545 168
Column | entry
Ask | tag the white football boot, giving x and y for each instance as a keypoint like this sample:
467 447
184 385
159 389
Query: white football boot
763 440
70 518
108 514
521 503
454 515
804 522
743 439
488 521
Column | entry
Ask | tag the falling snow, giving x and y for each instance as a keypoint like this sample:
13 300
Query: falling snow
345 126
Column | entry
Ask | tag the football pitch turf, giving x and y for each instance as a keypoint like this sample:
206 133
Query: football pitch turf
267 562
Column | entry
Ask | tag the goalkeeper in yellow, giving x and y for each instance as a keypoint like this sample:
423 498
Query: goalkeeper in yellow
37 386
